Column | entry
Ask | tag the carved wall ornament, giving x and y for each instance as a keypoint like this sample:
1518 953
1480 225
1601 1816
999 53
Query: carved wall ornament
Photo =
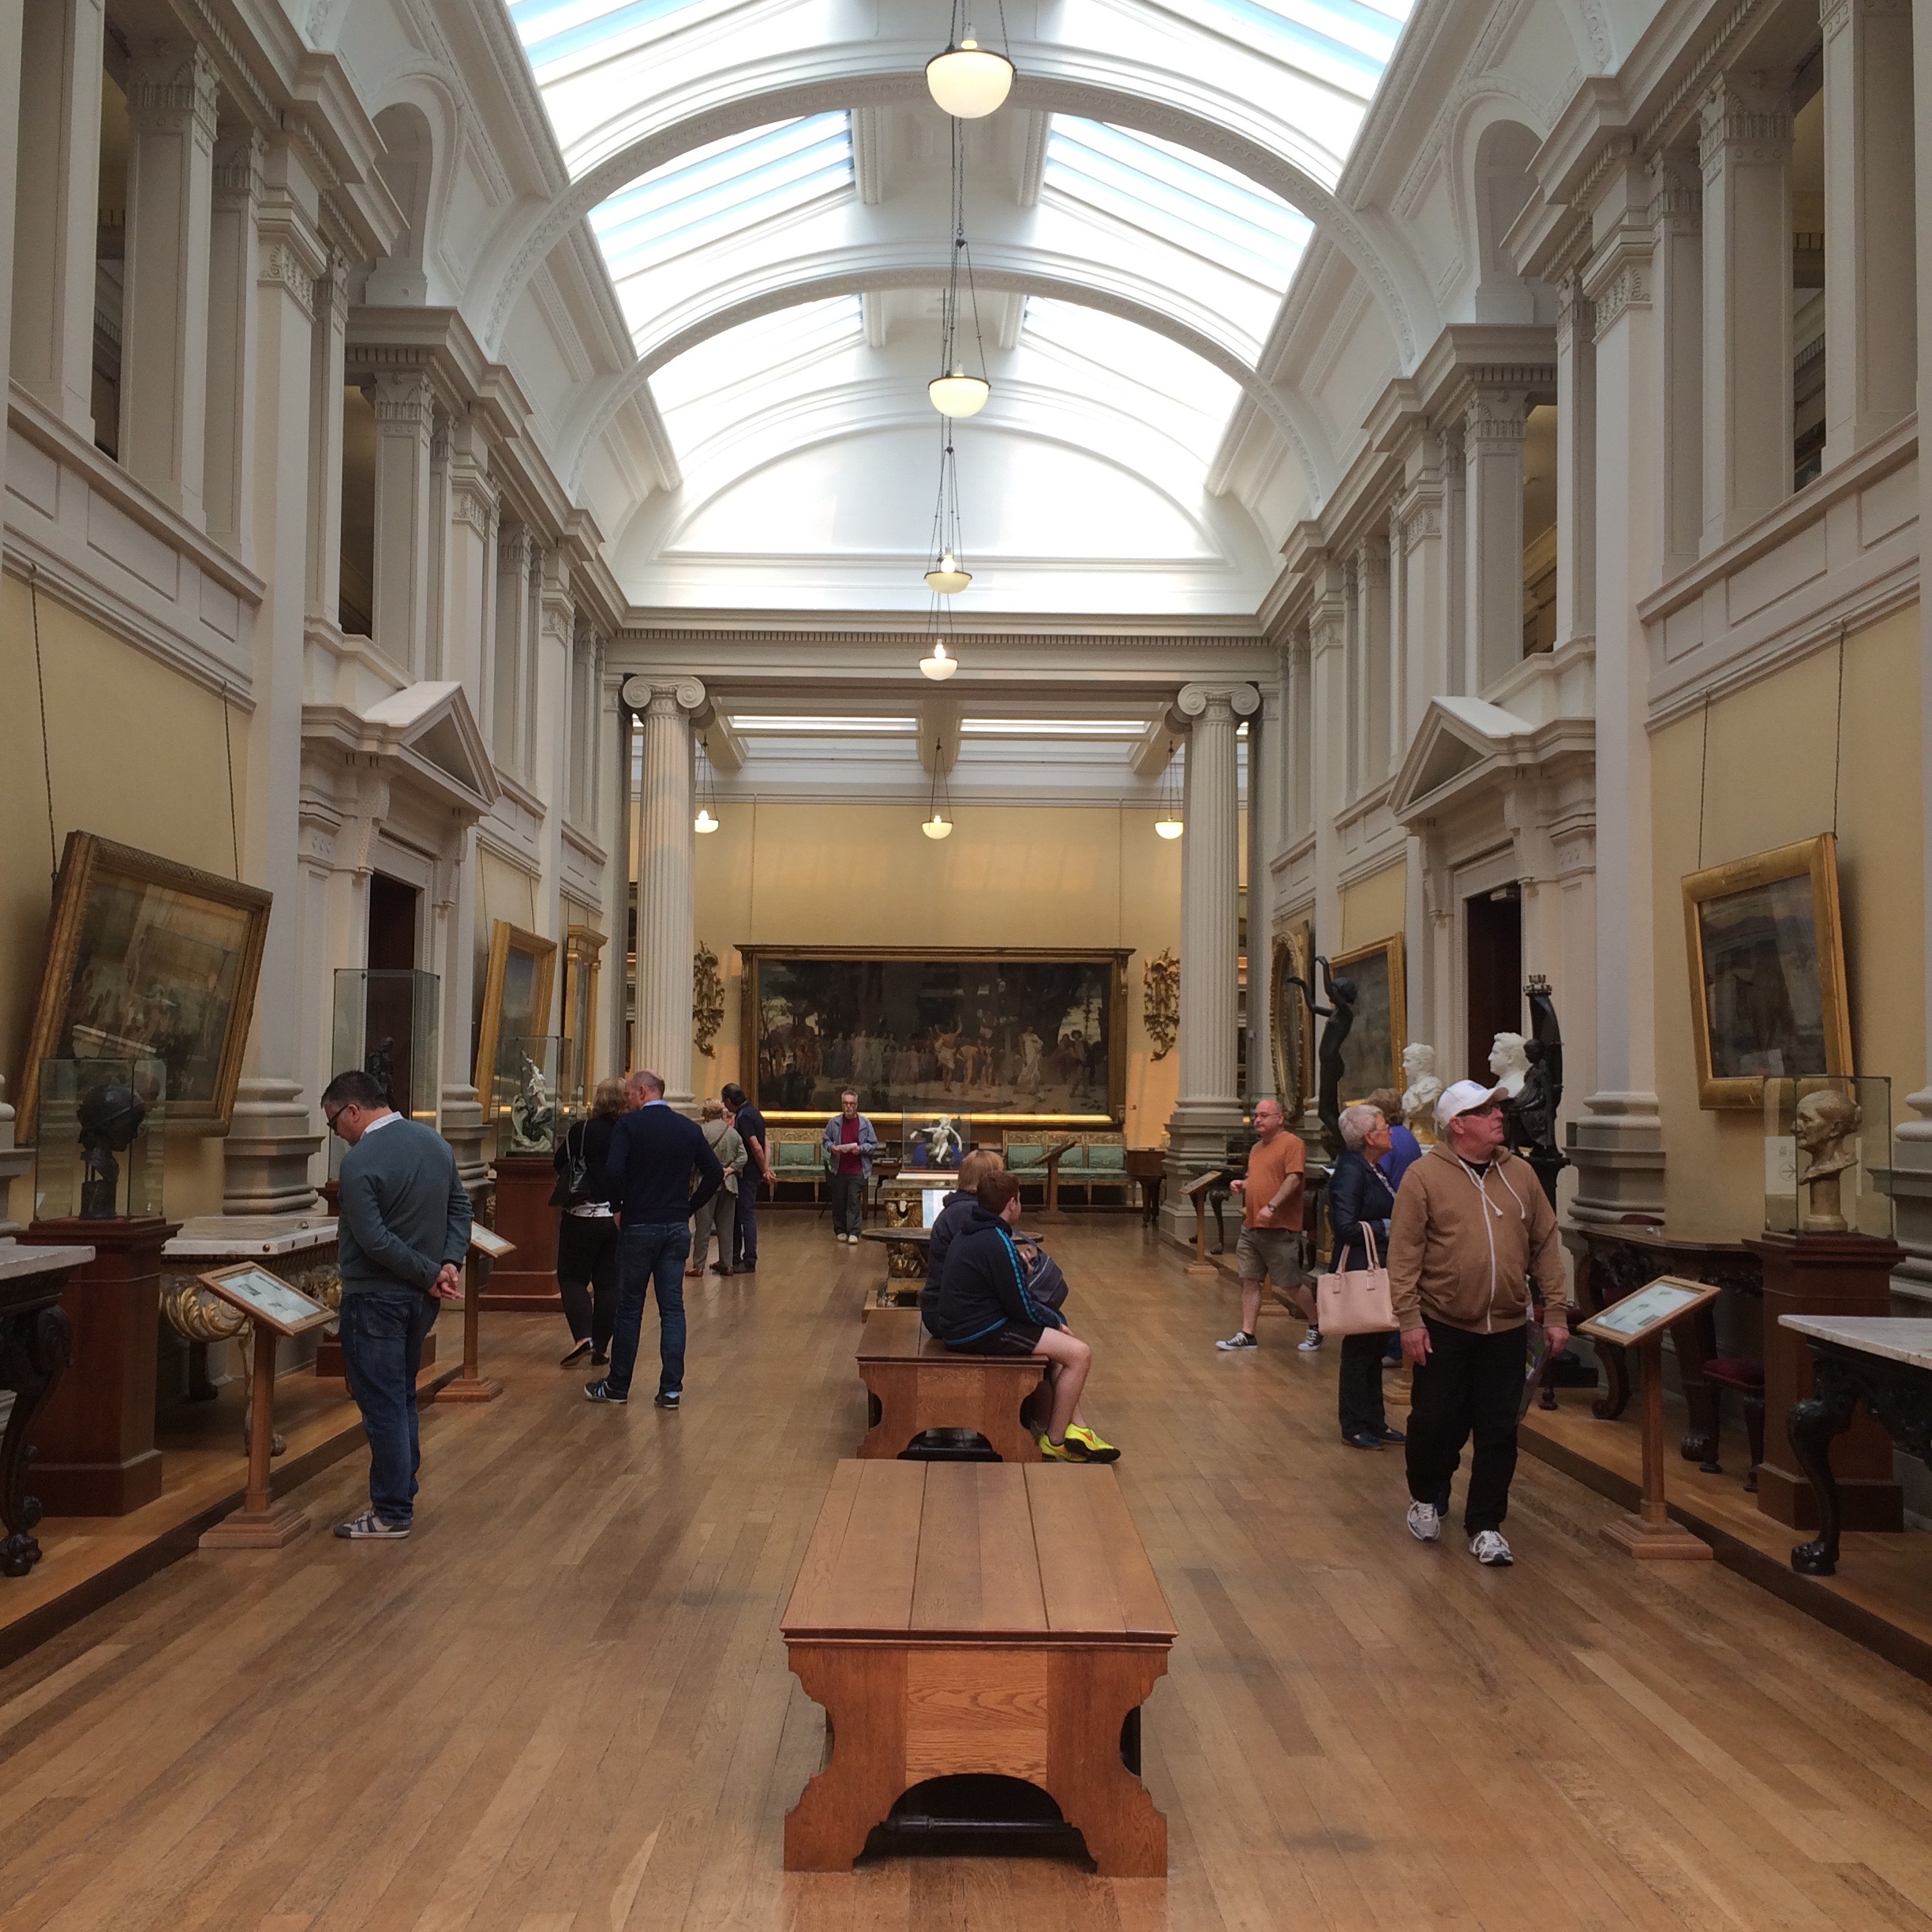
707 999
1160 980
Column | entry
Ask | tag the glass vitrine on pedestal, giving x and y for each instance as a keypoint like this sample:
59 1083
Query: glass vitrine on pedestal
1826 1139
97 1145
524 1101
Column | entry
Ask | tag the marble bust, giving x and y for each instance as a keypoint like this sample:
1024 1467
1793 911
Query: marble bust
1418 1100
1509 1060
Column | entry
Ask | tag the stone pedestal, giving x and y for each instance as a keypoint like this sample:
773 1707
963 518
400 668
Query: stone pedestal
526 1279
1823 1275
95 1436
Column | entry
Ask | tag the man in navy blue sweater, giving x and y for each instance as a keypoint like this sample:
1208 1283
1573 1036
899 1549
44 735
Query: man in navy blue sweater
654 1152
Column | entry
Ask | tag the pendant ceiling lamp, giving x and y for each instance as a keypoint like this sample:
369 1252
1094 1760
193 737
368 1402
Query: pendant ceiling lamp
938 823
938 667
953 391
946 577
1168 823
707 819
967 80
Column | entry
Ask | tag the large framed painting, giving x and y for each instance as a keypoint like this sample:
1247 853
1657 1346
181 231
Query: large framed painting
1766 950
1030 1035
1291 1023
148 959
516 994
1372 1055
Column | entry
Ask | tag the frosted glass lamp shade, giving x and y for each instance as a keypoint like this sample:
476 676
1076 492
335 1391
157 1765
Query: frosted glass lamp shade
1168 827
959 394
707 820
937 827
969 80
938 667
948 579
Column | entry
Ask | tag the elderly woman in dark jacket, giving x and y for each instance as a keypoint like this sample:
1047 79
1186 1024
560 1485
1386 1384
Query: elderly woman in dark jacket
1360 1202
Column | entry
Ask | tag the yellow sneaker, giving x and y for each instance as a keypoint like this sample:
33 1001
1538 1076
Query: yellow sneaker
1098 1450
1069 1452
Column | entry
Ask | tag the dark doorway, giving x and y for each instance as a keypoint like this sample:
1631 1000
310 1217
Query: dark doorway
1494 964
389 1012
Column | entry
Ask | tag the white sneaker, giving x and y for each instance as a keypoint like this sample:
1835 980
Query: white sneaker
1309 1343
1487 1546
1424 1525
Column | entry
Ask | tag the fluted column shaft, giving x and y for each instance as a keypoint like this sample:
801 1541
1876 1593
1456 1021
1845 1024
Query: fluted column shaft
667 923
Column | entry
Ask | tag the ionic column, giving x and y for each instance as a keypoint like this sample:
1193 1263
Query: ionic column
615 724
1374 649
1576 466
1870 291
1676 397
556 625
469 601
1427 546
1266 833
399 617
512 645
1327 689
1399 670
233 250
56 207
1617 1146
1744 149
275 1136
1208 1108
327 354
665 857
1492 463
164 336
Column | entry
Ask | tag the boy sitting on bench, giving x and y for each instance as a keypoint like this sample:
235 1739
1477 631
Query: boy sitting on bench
984 1308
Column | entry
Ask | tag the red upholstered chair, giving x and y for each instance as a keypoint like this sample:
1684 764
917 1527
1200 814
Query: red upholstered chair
1747 1377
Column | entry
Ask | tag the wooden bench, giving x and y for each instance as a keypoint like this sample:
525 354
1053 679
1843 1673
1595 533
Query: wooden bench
917 1383
959 1618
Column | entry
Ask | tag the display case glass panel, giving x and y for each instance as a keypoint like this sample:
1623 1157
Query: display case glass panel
524 1099
97 1142
1826 1140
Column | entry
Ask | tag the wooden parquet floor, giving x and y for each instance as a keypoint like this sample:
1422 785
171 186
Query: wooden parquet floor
563 1705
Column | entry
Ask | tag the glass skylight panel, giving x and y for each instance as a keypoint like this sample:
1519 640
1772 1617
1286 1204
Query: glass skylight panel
1053 727
1344 43
719 190
1186 200
554 30
825 726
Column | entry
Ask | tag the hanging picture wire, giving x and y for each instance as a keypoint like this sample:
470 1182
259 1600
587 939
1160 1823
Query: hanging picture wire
954 391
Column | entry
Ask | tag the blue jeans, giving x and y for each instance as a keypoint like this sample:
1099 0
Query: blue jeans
650 1257
382 1331
744 1230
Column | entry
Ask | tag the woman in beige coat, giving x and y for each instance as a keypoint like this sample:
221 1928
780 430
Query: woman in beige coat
721 1209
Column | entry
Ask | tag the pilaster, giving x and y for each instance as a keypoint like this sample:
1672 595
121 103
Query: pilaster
459 1115
469 579
1374 649
1676 400
1493 424
1422 558
172 93
1576 462
234 250
514 556
328 355
405 413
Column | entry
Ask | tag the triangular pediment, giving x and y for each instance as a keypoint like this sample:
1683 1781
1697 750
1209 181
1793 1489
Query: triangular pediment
431 730
1459 741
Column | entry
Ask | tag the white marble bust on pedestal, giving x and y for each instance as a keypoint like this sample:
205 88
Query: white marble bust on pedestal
1418 1098
1509 1062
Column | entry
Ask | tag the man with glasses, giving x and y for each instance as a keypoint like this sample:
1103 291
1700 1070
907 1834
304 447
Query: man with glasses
1472 1227
402 1231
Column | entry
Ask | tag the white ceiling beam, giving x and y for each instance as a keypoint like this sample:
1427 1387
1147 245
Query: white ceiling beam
868 134
1154 749
723 745
1033 160
938 734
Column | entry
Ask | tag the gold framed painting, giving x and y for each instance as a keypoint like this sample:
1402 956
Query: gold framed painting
148 959
1291 1022
1372 1055
583 951
516 994
1765 942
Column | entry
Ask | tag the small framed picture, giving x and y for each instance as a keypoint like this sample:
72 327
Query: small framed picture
1647 1313
267 1297
487 1241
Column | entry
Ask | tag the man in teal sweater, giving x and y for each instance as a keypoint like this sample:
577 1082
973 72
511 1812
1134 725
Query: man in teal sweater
401 1233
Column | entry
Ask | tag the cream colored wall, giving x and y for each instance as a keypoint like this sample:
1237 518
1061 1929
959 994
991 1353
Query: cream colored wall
1374 908
865 875
137 754
1776 753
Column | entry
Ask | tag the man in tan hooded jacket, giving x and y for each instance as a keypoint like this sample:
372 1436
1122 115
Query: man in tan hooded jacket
1472 1228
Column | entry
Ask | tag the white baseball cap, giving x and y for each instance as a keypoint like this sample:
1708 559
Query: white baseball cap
1464 1097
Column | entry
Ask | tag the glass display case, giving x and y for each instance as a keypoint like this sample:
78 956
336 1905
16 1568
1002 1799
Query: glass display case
524 1100
1826 1138
97 1145
387 1024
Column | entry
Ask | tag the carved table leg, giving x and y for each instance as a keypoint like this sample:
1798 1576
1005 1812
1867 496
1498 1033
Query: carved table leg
1091 1698
863 1691
36 1345
1810 1425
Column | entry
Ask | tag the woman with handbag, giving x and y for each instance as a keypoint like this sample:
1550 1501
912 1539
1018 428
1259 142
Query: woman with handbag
587 1234
719 1212
1354 1297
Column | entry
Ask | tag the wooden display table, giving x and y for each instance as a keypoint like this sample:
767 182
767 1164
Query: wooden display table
95 1436
526 1219
959 1618
917 1383
36 1344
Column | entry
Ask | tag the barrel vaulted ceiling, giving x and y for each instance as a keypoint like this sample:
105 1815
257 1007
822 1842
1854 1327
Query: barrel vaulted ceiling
769 185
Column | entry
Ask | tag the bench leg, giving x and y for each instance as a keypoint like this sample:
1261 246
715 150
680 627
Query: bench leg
892 1424
1090 1696
863 1692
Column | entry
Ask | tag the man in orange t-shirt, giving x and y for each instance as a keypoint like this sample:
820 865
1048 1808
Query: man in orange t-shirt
1271 1237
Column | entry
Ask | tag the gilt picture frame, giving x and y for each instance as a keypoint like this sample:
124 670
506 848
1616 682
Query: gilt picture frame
1764 939
517 991
1372 1055
1291 1022
147 958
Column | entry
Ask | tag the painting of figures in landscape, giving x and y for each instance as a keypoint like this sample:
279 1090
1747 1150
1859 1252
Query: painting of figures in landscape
982 1035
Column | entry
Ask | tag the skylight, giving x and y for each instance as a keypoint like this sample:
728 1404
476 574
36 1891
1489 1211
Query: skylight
819 725
555 31
1343 42
1053 727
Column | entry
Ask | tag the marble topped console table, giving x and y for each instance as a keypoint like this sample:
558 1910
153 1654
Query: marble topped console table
36 1344
1883 1361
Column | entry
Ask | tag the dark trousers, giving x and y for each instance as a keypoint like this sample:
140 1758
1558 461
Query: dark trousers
744 1230
383 1331
1471 1385
847 1203
651 1258
587 1278
1361 1384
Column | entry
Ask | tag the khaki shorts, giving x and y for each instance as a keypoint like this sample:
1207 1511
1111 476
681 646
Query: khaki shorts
1273 1252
